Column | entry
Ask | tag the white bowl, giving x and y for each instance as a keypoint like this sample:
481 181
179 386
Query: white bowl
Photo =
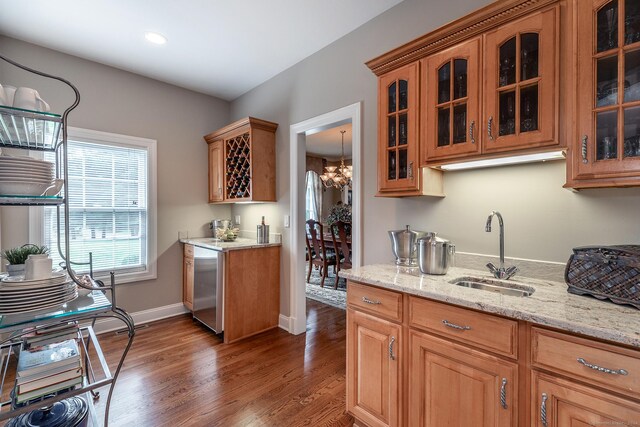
17 188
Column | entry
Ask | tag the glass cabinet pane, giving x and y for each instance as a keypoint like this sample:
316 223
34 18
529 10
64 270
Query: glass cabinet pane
632 76
391 165
606 135
402 164
402 140
631 21
459 123
508 62
444 83
404 99
392 131
529 56
391 91
607 81
460 74
632 132
444 115
607 31
529 108
507 125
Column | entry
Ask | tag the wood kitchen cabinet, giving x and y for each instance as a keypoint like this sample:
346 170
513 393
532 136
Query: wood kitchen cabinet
187 276
451 102
242 162
605 150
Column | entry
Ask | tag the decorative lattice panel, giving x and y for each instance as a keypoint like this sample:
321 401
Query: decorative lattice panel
238 151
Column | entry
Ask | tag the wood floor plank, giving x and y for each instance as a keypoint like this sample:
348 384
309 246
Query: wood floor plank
178 373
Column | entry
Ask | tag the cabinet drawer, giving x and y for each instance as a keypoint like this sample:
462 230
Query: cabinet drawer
188 251
482 330
374 300
588 360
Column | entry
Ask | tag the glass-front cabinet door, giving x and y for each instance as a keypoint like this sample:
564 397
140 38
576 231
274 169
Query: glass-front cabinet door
521 83
450 102
398 130
608 104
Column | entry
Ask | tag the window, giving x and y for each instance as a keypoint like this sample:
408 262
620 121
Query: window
112 205
313 196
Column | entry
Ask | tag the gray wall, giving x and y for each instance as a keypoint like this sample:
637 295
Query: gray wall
121 102
543 220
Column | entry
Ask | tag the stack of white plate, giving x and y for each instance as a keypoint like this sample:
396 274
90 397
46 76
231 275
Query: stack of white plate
24 176
18 295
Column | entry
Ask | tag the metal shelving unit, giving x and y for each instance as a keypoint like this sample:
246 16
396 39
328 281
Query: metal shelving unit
34 130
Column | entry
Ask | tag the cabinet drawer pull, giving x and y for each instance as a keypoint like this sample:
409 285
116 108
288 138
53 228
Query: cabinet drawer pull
503 393
584 149
368 301
454 326
471 126
601 369
543 410
391 356
489 125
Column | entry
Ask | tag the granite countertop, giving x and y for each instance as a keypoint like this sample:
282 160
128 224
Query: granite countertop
550 304
219 245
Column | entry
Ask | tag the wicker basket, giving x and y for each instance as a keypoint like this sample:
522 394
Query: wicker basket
606 272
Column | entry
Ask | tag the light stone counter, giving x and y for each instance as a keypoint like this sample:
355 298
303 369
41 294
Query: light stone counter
239 243
550 304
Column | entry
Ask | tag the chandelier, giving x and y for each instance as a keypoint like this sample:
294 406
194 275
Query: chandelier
338 176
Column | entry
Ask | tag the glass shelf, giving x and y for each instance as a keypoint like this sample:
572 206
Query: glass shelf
33 130
9 200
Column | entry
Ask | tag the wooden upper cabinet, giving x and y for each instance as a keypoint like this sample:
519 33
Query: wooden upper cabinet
521 83
606 146
216 171
248 172
398 130
451 102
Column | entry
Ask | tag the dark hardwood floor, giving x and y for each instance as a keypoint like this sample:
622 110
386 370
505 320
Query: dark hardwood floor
180 374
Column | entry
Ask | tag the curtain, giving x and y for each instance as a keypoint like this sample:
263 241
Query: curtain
313 196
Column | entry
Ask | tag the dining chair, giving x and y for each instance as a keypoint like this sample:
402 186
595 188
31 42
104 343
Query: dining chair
319 255
342 247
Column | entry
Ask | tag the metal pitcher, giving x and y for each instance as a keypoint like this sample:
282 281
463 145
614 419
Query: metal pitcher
403 245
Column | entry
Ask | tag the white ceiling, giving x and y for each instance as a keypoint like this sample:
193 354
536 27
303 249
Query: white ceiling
222 48
328 143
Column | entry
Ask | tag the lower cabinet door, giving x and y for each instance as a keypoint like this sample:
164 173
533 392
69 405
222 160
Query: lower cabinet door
373 369
455 386
558 403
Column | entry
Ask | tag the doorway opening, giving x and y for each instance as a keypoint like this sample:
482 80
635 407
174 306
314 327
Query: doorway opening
299 133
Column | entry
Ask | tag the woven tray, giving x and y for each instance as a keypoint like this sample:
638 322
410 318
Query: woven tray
606 272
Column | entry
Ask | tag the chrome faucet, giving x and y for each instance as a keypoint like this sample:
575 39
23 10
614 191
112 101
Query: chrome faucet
499 273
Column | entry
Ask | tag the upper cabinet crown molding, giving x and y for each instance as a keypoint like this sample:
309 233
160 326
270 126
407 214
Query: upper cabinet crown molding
240 125
474 24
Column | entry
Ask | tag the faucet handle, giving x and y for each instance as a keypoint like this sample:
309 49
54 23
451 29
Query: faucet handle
493 269
510 271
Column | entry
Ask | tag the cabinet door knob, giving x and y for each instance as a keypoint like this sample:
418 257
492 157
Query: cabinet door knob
391 355
503 393
543 410
489 125
584 149
471 126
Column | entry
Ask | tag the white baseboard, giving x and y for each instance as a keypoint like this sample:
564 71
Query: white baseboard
140 317
285 323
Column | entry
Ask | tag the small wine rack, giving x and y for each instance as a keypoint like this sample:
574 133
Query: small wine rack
238 155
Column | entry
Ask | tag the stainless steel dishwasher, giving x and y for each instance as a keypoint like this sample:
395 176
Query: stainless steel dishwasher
208 288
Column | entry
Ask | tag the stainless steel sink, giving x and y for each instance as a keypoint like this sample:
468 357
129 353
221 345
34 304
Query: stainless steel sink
500 287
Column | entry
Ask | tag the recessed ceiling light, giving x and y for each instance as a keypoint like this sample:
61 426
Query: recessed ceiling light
155 38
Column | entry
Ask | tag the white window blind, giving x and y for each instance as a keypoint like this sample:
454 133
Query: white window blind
108 208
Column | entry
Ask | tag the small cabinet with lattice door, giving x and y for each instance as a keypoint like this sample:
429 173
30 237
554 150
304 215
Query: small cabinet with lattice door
607 141
451 102
521 83
242 162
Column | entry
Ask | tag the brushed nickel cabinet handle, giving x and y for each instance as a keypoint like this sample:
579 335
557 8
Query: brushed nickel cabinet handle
489 126
503 393
584 149
543 410
391 356
454 326
411 170
368 301
471 126
601 369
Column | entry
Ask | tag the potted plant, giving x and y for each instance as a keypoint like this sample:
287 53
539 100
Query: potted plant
16 257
